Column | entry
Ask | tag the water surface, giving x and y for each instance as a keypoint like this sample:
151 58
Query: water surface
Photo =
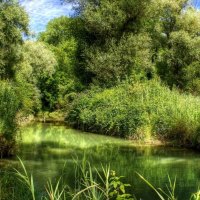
48 150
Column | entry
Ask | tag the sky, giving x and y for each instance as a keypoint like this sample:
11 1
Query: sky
197 3
42 11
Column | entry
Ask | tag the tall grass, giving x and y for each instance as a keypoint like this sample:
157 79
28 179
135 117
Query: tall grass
101 184
55 193
169 194
163 195
195 196
9 107
26 179
139 111
93 184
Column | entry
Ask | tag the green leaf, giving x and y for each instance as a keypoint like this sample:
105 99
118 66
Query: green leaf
122 188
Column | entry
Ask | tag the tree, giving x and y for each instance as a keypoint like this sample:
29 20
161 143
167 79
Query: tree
61 37
110 51
179 50
13 23
129 58
38 61
38 64
116 32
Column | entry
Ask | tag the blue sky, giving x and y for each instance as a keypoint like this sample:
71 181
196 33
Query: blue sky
42 11
197 3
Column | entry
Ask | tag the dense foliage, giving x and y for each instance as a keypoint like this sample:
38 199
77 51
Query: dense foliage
139 111
62 41
9 107
138 38
38 64
147 52
147 44
125 68
13 22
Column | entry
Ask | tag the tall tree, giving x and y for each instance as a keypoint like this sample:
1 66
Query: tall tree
61 36
13 23
176 43
112 49
169 29
38 64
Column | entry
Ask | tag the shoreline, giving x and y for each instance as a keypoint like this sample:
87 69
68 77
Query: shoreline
58 118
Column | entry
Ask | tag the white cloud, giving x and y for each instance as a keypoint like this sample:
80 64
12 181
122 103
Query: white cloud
42 11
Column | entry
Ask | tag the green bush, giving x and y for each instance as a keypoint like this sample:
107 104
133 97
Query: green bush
139 111
9 107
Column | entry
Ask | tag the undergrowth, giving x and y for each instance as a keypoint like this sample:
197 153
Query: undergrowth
139 111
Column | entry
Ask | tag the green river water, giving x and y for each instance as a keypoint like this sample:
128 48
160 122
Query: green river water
48 149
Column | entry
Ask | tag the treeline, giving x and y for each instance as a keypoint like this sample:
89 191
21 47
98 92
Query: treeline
139 61
108 42
23 66
100 64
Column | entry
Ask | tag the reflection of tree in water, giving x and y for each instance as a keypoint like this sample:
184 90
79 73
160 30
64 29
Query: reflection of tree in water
49 152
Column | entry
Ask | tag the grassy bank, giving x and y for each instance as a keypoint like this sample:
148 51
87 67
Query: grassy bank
139 111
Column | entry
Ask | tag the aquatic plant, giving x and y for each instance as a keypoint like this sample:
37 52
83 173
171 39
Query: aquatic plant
195 196
26 179
55 193
169 194
163 195
91 184
101 184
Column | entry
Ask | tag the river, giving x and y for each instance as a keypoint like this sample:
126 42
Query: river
48 149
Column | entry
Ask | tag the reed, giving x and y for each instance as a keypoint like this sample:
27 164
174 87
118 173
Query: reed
139 111
92 184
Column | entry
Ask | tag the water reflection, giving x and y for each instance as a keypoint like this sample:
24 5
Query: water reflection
47 148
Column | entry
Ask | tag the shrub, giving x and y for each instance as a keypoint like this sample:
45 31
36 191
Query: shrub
138 111
9 106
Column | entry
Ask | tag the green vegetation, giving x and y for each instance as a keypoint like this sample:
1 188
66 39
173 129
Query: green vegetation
139 111
13 22
123 68
147 53
61 40
98 184
9 106
38 64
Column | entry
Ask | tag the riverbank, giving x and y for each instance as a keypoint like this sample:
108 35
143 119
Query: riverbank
51 118
144 113
151 142
140 112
